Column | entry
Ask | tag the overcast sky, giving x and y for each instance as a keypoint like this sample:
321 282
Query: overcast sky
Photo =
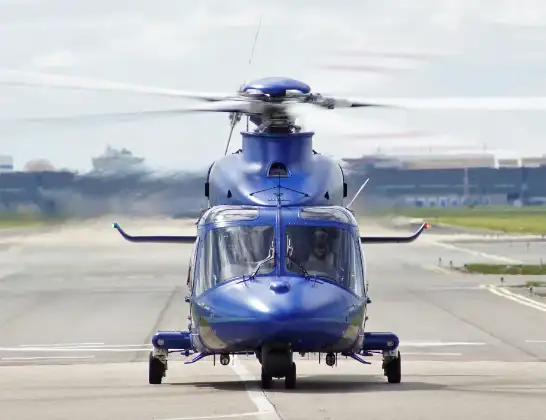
458 47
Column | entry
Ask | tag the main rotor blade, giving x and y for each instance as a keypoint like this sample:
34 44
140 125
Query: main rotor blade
492 103
224 106
21 78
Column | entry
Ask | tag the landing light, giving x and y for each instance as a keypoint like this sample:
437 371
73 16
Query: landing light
390 343
427 225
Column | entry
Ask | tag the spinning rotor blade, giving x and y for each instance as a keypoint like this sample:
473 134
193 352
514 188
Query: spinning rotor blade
223 106
499 103
20 78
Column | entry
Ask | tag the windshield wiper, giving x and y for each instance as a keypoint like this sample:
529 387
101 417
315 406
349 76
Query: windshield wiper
260 264
295 261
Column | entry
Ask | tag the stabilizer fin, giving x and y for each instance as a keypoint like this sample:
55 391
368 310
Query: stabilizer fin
155 239
394 239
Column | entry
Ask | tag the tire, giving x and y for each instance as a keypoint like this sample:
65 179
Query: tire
290 379
393 370
266 379
156 370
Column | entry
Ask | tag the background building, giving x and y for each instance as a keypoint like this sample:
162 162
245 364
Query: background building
6 163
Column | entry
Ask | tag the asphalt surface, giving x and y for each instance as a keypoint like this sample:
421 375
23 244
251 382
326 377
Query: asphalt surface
78 308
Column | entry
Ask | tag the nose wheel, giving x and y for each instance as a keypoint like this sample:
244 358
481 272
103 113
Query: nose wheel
266 379
290 379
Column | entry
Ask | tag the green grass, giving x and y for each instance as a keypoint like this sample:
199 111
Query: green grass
504 269
11 221
503 219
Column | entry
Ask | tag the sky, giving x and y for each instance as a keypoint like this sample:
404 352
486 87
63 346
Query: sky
357 48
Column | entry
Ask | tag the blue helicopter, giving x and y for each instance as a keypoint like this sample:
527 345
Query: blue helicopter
277 266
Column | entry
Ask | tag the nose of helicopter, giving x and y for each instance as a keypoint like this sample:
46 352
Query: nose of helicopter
288 309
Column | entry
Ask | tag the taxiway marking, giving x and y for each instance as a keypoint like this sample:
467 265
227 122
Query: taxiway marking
71 349
63 345
503 292
432 354
438 344
22 359
218 416
256 395
536 341
475 253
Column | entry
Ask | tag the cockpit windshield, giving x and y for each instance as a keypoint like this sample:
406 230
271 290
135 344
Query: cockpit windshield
235 251
327 252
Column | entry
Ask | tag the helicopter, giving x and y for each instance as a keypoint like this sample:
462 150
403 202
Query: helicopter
277 266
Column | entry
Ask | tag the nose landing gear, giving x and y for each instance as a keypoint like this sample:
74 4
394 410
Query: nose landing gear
277 362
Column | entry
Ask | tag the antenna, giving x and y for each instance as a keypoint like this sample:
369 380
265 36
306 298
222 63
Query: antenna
358 192
235 117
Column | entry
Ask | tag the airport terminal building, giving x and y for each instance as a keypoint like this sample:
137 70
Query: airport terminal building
445 181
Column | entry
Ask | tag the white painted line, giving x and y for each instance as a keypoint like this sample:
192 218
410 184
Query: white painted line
431 354
255 394
475 253
68 349
438 344
22 359
62 345
436 269
526 299
499 291
536 341
217 416
87 346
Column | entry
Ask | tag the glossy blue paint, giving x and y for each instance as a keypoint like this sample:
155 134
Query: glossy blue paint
242 178
179 340
380 341
312 315
277 85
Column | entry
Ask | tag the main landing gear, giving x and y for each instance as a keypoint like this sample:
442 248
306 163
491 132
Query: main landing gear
392 368
157 368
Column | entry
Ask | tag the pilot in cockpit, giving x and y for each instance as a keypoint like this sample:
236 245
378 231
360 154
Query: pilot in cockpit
321 258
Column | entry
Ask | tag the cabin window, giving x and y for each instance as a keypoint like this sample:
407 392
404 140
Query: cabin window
278 169
327 252
335 214
193 262
235 251
231 214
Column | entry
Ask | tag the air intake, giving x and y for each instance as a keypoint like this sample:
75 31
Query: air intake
277 169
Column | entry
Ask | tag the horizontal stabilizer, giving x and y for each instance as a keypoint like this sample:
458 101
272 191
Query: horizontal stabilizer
155 239
394 239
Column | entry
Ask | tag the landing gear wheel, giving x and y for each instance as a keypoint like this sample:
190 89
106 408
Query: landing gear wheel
290 379
156 370
393 370
266 379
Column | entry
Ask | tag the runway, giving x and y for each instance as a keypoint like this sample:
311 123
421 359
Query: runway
78 307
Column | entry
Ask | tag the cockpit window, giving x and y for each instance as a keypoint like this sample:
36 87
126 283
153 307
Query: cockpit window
330 253
234 251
